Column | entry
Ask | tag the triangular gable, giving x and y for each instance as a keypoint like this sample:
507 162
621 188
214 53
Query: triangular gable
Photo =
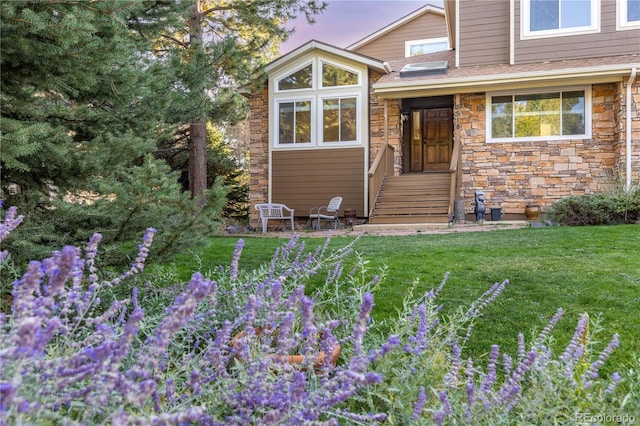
314 45
400 22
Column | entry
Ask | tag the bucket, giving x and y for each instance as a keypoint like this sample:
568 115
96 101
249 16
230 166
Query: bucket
496 214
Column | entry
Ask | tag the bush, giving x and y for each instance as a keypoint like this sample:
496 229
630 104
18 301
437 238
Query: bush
73 352
600 209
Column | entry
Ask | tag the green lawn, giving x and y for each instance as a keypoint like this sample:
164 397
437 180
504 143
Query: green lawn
581 269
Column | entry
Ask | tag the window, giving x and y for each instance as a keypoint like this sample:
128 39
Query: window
300 79
339 119
317 103
294 122
538 115
550 18
422 47
334 76
628 14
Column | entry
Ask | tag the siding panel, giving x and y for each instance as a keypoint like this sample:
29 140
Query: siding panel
309 178
391 45
484 32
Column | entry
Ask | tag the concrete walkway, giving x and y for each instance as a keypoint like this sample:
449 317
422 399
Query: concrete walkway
402 229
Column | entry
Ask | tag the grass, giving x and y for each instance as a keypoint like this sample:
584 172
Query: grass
580 269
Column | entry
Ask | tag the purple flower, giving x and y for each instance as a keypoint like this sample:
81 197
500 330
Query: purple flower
235 259
419 404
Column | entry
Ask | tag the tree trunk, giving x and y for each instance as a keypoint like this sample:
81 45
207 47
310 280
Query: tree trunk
198 128
197 158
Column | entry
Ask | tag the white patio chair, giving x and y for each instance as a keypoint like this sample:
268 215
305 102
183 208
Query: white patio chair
328 213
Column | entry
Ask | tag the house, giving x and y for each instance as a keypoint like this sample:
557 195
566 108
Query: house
528 101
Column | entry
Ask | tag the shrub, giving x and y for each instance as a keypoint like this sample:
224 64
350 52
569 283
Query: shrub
73 352
600 209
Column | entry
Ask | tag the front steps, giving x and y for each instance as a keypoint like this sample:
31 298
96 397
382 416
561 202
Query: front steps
413 198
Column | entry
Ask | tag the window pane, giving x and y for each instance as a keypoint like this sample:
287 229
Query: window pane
294 122
544 15
286 123
424 48
537 114
575 13
633 10
303 122
335 76
348 119
339 120
330 120
501 117
573 113
301 79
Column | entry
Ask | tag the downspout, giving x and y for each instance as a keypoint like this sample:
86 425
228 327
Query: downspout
512 24
632 78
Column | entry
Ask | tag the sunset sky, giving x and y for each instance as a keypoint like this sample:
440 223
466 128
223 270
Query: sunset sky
346 21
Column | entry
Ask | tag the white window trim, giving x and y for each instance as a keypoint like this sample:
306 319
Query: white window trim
587 119
279 77
276 109
527 34
621 15
320 116
318 75
410 43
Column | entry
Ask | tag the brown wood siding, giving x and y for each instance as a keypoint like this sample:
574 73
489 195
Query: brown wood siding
303 179
484 32
391 45
607 42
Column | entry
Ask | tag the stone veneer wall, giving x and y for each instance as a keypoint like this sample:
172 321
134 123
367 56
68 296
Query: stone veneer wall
377 125
514 174
620 113
258 151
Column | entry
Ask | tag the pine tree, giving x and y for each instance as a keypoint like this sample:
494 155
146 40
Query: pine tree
223 45
84 102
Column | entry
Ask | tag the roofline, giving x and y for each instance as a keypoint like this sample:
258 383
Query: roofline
594 74
396 24
311 45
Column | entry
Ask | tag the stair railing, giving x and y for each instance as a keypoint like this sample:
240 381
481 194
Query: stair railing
381 167
453 168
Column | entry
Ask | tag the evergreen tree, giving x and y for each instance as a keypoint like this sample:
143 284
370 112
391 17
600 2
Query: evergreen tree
223 44
84 102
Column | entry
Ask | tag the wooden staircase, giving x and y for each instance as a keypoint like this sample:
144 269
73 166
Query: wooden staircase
413 198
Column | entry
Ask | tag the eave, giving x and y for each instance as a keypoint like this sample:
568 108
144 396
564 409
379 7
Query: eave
510 81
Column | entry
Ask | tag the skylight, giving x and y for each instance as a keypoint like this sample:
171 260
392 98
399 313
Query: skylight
424 68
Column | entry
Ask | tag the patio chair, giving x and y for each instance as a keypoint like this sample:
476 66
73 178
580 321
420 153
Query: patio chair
328 213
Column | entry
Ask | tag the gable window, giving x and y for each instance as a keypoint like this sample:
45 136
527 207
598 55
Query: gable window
544 115
317 103
628 14
339 119
300 79
550 18
334 76
422 47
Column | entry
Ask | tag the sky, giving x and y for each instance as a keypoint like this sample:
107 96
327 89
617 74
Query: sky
346 21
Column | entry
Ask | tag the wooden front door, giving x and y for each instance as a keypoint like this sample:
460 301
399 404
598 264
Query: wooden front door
431 138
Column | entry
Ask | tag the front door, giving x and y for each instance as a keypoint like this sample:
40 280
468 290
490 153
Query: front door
431 138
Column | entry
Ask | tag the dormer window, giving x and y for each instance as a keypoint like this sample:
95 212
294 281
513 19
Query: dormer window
551 18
